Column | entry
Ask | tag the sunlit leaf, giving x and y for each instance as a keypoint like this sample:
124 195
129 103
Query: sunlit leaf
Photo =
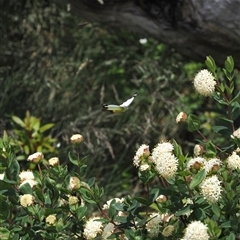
197 179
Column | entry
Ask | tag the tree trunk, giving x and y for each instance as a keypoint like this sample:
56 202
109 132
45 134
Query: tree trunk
195 28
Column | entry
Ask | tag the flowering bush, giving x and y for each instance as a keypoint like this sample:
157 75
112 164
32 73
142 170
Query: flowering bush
186 197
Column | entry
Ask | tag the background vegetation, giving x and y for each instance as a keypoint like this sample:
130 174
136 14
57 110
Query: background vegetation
61 69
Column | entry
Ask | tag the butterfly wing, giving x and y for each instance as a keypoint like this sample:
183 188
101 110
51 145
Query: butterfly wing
113 108
129 101
118 108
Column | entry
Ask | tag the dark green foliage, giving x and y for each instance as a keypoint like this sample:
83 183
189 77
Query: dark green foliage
62 71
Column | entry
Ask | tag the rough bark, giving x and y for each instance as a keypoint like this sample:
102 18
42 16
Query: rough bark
196 28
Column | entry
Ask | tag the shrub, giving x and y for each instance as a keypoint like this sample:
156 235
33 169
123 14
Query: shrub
186 196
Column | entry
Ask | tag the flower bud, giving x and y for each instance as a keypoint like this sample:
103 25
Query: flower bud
53 161
198 150
72 200
181 117
74 183
161 198
76 138
36 157
168 231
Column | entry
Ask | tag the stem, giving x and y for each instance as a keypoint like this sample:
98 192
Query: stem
206 140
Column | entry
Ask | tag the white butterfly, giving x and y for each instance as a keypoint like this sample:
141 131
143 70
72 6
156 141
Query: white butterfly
118 108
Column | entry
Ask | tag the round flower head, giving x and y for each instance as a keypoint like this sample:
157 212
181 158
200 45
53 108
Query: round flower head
162 148
212 165
92 228
143 151
72 200
36 157
26 200
233 161
196 163
181 117
236 134
211 189
26 175
76 138
196 230
153 225
51 219
204 83
165 164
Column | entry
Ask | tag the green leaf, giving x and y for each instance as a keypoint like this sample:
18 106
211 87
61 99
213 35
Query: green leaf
216 210
177 149
26 188
39 194
4 213
226 224
236 97
210 64
91 181
185 210
235 110
14 169
218 98
73 159
46 127
229 64
18 121
217 129
197 179
199 214
231 236
193 123
36 125
4 233
141 200
210 150
81 212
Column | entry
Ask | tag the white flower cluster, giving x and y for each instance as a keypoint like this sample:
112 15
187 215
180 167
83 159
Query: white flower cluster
26 200
92 228
211 189
138 160
233 161
107 205
196 230
211 164
27 177
165 162
236 134
153 225
204 83
201 163
197 161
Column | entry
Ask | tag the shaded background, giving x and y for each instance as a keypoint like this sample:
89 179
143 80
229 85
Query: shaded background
62 68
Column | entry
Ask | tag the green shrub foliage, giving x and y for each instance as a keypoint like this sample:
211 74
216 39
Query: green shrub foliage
185 194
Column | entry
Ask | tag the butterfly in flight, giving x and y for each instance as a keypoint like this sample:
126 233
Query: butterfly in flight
118 108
